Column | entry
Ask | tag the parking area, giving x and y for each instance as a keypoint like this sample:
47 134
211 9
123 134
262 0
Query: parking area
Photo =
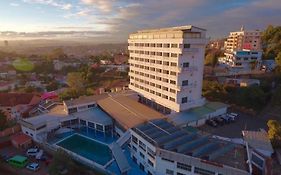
234 129
9 152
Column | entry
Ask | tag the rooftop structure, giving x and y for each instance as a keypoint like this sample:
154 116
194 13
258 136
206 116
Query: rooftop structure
166 67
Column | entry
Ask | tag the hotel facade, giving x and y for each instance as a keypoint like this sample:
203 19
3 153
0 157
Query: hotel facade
166 67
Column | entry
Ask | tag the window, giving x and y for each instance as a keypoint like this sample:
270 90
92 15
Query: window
203 171
174 55
184 100
173 73
185 83
172 82
172 99
141 167
83 122
90 124
166 63
134 159
174 45
173 91
99 127
91 106
173 64
142 155
184 166
150 163
159 45
186 46
166 54
166 45
72 110
169 172
168 160
180 173
142 145
186 64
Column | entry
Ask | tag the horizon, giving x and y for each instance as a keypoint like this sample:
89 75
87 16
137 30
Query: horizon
107 21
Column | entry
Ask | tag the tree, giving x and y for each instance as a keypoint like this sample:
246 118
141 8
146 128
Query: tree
76 82
57 53
274 132
278 59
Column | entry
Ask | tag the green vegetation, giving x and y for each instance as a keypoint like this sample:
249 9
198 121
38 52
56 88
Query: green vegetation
253 97
63 164
4 123
274 133
23 65
271 40
211 57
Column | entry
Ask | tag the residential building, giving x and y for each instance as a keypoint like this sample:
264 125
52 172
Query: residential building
166 67
244 60
239 40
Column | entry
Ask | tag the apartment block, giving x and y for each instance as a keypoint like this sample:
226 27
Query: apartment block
166 67
239 40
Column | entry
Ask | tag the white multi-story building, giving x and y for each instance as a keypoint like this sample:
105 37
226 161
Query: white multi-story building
166 67
245 59
239 40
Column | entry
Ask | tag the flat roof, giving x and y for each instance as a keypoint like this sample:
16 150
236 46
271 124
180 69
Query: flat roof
127 111
85 99
216 105
196 113
167 136
95 115
178 28
19 158
258 140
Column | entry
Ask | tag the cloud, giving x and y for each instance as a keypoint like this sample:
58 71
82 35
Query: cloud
59 4
103 5
14 4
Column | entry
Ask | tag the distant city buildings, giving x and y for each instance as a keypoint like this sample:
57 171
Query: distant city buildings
243 52
166 67
240 40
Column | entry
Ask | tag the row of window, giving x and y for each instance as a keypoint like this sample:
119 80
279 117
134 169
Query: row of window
246 58
153 92
165 80
160 45
165 35
157 70
165 63
164 54
188 168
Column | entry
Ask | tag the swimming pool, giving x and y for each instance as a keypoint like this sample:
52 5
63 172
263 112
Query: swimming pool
90 149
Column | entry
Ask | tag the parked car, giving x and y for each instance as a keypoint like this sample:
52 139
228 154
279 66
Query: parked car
32 152
232 118
219 120
33 166
212 123
226 119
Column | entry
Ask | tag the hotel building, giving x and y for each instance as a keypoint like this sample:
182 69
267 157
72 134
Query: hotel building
166 67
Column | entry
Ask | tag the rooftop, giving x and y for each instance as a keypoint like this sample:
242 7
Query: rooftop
13 99
179 28
196 113
165 135
127 111
84 100
258 140
95 115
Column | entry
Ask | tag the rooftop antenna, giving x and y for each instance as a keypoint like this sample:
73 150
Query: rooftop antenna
242 28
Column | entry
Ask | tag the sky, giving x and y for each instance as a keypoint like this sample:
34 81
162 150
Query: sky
114 20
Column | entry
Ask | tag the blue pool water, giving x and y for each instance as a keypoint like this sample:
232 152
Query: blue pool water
87 148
